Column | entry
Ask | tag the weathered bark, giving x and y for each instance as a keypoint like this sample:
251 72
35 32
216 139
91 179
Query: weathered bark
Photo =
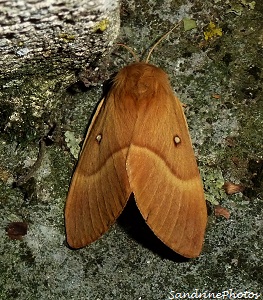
54 33
44 46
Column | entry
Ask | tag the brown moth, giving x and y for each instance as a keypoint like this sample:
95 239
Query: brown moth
138 142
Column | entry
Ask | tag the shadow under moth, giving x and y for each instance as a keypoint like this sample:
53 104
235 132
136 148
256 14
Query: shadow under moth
138 142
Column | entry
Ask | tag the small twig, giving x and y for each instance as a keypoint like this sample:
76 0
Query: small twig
24 178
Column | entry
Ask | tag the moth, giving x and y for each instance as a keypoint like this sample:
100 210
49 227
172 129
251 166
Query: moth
138 142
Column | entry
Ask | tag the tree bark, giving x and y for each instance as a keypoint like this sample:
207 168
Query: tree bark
44 46
54 33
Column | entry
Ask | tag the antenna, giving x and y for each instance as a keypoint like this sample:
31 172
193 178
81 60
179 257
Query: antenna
159 41
153 47
130 50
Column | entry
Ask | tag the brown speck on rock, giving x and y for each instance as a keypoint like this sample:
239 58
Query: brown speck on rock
16 230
